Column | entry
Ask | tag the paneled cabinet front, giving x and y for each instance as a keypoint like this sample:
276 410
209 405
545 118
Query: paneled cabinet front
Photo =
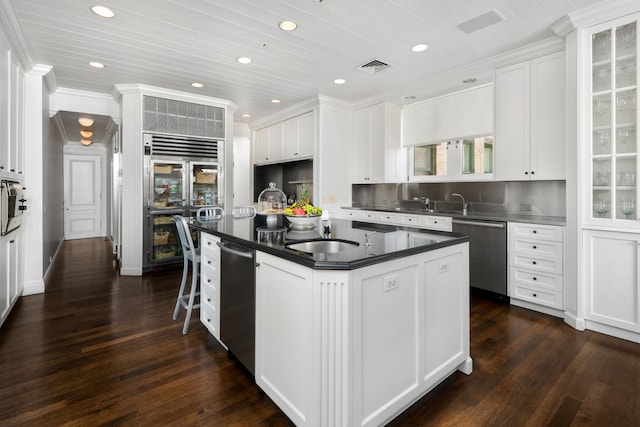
11 281
530 119
210 284
376 155
292 139
536 266
11 110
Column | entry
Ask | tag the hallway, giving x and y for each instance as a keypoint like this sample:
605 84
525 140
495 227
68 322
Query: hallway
101 349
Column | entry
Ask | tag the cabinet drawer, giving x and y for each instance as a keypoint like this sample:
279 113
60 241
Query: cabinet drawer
370 216
537 247
210 318
441 223
389 218
548 298
530 262
536 231
412 220
349 214
548 282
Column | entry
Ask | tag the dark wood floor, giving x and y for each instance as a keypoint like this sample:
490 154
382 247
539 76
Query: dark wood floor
101 349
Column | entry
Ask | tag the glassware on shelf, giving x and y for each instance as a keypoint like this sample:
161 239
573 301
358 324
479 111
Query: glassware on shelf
602 142
625 39
625 74
601 206
601 78
601 179
626 107
601 110
627 207
601 46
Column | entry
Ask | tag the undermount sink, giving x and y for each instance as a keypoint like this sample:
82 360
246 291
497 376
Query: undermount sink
327 246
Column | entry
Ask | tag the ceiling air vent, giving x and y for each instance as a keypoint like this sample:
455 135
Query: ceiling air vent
374 66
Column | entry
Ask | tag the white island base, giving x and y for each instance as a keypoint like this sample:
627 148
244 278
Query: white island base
358 347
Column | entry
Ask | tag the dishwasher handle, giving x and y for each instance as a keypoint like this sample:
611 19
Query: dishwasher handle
223 246
480 223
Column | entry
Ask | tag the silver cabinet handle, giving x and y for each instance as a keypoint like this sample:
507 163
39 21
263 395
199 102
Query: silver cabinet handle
225 248
480 223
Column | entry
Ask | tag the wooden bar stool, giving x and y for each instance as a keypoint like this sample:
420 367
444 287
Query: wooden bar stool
191 256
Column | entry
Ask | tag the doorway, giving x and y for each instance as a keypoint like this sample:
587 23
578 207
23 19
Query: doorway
82 196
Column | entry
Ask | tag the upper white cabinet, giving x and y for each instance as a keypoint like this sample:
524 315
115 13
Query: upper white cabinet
11 93
376 154
530 119
292 139
459 115
299 136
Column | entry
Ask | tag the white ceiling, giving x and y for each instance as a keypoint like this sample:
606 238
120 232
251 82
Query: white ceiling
172 43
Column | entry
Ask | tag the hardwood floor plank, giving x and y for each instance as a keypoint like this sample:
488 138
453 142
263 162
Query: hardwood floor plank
102 349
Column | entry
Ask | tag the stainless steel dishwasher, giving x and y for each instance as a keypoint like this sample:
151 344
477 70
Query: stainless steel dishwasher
487 254
238 302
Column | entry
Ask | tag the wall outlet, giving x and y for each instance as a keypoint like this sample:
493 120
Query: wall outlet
525 207
443 267
390 282
329 199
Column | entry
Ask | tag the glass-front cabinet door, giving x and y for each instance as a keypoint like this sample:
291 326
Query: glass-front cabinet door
204 184
168 184
614 125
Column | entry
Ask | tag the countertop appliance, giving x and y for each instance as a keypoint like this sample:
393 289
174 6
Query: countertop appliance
182 174
11 206
487 255
238 302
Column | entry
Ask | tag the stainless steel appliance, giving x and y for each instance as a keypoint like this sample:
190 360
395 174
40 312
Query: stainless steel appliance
11 206
238 302
487 254
182 174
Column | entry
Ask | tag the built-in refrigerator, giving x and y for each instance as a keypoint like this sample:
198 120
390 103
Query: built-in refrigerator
176 183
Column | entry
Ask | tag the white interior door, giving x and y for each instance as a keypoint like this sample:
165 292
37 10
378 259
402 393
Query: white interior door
82 197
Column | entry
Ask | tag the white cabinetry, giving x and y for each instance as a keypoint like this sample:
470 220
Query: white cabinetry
431 222
11 111
459 115
536 268
530 119
210 284
323 351
11 281
613 289
376 154
292 139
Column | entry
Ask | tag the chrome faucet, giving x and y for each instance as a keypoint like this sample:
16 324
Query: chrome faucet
464 203
426 202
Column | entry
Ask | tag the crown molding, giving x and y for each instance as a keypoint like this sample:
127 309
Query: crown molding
592 15
139 89
64 99
10 24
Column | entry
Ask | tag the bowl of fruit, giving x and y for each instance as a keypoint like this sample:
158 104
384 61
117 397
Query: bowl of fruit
302 216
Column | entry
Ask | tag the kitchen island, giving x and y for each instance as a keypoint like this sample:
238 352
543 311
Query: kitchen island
356 337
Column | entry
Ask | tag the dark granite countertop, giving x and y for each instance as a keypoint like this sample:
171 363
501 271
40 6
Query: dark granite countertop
386 242
482 216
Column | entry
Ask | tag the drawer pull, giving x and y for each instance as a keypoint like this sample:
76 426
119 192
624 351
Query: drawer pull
535 278
435 222
535 295
208 320
208 243
208 280
209 262
534 263
535 231
535 247
208 299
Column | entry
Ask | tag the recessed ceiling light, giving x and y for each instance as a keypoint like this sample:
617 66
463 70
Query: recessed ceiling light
419 47
246 115
85 121
339 81
287 25
244 60
86 133
469 80
96 64
196 84
102 11
85 141
275 101
410 97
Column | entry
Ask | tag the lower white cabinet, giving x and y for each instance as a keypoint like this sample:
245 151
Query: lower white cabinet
430 222
210 283
11 281
611 262
357 347
536 266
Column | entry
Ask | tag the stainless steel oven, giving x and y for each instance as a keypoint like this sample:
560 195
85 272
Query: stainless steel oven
11 206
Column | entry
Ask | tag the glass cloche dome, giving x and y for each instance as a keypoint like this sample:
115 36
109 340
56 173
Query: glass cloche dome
271 202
